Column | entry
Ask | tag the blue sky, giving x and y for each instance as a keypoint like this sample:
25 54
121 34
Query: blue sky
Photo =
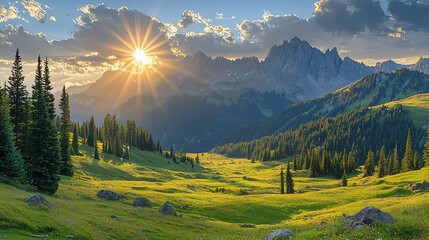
79 34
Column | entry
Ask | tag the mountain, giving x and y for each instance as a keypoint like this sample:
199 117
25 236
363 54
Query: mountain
294 68
422 65
387 66
372 90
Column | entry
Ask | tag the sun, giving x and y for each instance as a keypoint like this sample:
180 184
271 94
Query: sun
142 58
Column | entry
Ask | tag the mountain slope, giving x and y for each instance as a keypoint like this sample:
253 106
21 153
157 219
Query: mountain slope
372 90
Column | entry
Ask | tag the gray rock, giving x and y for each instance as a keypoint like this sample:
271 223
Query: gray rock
142 202
110 195
39 236
368 216
167 209
424 186
71 236
38 200
416 186
279 233
115 217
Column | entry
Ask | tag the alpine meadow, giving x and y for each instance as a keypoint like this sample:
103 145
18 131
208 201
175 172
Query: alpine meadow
223 120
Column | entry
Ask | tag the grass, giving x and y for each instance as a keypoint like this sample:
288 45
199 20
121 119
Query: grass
418 105
208 214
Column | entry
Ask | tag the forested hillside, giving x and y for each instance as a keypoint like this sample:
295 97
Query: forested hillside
372 90
354 133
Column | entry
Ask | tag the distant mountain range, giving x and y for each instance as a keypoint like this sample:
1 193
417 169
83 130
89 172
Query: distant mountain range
252 89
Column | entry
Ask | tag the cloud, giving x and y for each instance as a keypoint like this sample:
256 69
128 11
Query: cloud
190 17
35 10
53 18
7 14
220 16
414 15
350 16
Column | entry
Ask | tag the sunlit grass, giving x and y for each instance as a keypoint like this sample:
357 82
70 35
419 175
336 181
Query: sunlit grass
207 214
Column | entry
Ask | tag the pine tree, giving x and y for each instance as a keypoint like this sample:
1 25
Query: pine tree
197 159
396 166
49 96
382 163
75 142
11 162
294 164
426 149
44 154
344 179
416 161
282 181
407 161
19 106
369 164
96 153
66 167
91 134
289 181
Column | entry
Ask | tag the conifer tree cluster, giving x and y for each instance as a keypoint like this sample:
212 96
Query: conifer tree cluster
286 181
30 143
182 157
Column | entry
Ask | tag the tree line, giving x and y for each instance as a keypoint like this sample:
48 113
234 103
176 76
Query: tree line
338 145
34 148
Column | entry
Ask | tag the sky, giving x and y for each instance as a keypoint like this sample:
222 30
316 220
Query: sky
84 38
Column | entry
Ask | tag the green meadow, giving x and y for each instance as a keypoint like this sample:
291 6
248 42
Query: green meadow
249 206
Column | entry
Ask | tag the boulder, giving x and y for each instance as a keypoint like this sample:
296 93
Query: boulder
167 209
368 216
424 186
416 186
279 234
115 217
142 202
38 200
110 195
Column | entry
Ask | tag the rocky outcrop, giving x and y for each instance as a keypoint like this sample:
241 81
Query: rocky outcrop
387 66
110 195
421 65
142 202
424 186
38 200
368 216
279 234
167 209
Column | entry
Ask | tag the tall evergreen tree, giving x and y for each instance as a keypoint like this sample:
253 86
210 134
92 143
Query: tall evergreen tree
19 106
416 161
282 181
96 153
75 142
344 179
197 159
91 134
289 181
45 154
396 166
426 148
407 161
369 164
50 100
382 163
11 162
66 167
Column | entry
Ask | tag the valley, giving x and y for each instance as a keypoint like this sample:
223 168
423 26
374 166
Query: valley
207 214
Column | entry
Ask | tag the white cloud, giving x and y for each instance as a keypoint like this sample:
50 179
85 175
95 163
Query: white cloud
10 13
35 9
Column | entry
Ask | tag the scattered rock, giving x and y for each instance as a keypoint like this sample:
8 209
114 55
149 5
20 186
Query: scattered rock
416 186
279 233
199 224
424 186
38 200
142 202
180 216
71 236
167 209
186 207
38 236
115 217
368 216
110 195
323 223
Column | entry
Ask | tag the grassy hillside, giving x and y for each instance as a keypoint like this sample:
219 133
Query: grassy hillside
417 105
207 214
